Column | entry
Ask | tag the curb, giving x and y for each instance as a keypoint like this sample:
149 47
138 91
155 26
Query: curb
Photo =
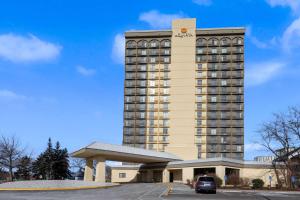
58 189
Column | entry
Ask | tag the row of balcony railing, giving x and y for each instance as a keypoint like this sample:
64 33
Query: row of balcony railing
219 82
165 43
148 52
220 58
231 50
219 66
213 42
153 60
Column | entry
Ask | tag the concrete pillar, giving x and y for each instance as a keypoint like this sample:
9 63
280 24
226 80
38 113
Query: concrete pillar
166 176
187 174
220 172
100 170
88 170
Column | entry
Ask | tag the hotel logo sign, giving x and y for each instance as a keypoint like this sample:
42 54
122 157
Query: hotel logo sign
183 33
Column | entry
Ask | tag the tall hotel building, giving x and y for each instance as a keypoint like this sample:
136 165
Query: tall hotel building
184 91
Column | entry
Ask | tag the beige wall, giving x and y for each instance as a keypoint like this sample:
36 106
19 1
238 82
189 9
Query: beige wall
182 91
263 174
187 173
131 176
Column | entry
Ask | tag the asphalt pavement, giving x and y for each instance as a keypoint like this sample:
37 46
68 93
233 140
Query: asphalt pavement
145 191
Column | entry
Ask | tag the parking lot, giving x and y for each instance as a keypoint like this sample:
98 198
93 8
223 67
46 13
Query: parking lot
142 191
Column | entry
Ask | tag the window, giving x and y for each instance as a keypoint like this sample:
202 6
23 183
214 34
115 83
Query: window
144 52
152 67
166 59
213 74
165 122
200 50
214 42
166 83
166 67
151 131
151 99
199 131
165 106
152 83
199 66
199 74
151 106
213 131
152 75
165 99
142 115
224 50
165 131
239 41
166 91
165 75
213 99
143 67
167 43
239 148
143 99
224 58
199 91
165 114
214 58
143 83
213 50
153 44
224 42
199 98
152 60
122 175
152 91
223 82
167 52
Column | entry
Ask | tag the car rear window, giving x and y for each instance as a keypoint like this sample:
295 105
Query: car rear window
210 179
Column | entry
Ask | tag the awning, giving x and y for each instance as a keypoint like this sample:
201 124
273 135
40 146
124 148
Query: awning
124 153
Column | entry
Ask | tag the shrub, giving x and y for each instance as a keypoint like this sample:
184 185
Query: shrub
245 182
233 179
218 180
257 183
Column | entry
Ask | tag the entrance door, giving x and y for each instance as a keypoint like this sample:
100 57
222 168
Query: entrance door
171 177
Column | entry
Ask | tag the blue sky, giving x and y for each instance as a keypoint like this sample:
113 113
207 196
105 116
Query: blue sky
61 71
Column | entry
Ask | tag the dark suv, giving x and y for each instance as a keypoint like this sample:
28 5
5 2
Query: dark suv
206 184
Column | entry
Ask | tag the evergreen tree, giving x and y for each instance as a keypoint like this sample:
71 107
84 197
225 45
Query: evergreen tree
61 163
53 163
24 168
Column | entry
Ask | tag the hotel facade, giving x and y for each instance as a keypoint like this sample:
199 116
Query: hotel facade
184 91
183 109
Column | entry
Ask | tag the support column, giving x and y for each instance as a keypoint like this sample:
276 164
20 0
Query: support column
100 170
88 170
187 174
220 172
166 176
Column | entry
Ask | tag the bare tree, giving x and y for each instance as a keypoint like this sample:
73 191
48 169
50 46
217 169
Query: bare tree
281 136
10 152
78 164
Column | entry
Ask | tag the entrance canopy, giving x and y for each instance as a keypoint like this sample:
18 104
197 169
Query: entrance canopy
123 153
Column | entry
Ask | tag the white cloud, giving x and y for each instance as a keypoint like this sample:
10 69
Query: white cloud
253 147
293 4
85 71
10 95
18 48
118 50
260 73
203 2
291 36
255 40
159 20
